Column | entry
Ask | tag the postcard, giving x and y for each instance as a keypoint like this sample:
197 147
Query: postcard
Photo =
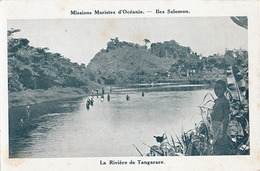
123 85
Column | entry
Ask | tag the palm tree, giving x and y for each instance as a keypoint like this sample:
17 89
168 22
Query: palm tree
146 41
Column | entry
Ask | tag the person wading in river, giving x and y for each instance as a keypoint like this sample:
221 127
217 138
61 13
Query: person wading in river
220 120
127 97
108 97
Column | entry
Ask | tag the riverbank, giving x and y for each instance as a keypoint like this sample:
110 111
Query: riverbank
38 96
29 97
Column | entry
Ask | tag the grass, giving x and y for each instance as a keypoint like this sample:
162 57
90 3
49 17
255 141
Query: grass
37 96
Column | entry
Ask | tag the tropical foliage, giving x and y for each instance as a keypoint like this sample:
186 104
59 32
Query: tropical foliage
124 62
36 68
120 63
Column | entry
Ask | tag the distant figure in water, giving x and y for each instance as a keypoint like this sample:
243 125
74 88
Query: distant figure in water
142 94
108 97
97 91
103 90
28 109
88 104
92 92
92 101
127 97
102 98
21 123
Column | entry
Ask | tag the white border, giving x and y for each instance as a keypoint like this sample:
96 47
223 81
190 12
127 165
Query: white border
61 9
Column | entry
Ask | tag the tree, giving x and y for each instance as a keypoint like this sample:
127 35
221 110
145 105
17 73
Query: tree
26 78
113 43
146 41
10 32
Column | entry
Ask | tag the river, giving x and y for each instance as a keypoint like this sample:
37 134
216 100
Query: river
66 128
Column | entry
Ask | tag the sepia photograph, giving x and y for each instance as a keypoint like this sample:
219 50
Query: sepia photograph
128 87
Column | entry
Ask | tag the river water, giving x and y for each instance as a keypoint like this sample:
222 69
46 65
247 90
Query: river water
109 128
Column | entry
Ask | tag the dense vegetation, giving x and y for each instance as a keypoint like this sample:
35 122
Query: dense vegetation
124 62
36 68
120 63
127 64
206 69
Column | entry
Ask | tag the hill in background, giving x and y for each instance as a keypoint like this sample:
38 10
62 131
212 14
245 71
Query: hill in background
124 62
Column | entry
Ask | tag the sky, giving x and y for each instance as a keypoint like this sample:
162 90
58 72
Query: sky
81 39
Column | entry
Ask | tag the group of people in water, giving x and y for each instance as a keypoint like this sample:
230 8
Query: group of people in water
128 97
90 101
219 117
